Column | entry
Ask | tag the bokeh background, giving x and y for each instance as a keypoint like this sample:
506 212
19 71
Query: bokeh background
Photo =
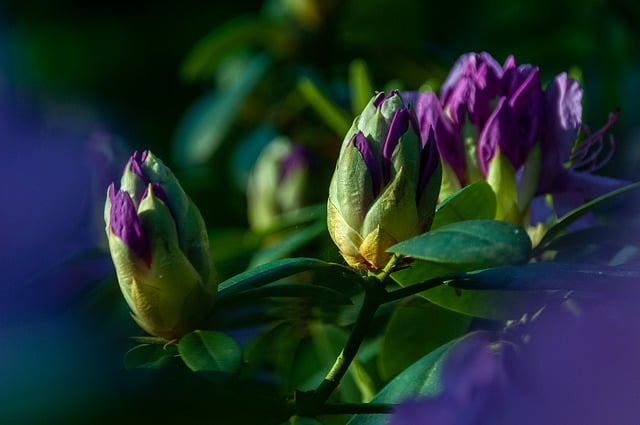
205 86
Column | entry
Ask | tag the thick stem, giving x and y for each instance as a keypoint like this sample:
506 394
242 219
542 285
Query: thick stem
415 289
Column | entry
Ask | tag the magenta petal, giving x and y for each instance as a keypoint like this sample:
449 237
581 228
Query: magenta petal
362 144
125 224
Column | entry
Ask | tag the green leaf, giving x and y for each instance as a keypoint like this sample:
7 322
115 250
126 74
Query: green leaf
476 201
420 379
465 246
584 209
210 351
552 276
492 305
471 243
359 85
151 356
332 115
205 125
314 293
415 329
276 270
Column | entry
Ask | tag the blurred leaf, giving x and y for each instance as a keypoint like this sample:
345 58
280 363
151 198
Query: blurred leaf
414 330
276 270
360 86
333 116
476 201
584 209
237 35
210 351
206 123
471 243
152 356
289 244
314 293
421 379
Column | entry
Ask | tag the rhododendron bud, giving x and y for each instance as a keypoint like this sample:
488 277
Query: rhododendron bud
159 246
385 185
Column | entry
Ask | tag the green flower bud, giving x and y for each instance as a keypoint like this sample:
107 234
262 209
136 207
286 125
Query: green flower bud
385 185
159 246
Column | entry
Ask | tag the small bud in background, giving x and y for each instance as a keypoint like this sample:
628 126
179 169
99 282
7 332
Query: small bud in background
385 185
159 246
278 183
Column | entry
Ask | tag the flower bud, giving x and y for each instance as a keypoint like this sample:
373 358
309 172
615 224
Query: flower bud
385 185
159 246
277 183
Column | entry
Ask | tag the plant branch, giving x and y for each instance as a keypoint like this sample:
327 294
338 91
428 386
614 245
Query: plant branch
374 293
415 289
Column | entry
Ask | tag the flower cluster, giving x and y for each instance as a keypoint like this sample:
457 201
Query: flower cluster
498 123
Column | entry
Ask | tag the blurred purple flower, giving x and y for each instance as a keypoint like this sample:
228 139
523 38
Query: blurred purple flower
50 221
567 369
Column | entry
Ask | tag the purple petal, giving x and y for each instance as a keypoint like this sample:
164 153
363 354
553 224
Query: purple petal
124 223
447 136
135 165
499 132
362 144
380 97
399 126
562 120
429 160
470 87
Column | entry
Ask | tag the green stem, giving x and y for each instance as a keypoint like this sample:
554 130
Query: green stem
374 293
415 289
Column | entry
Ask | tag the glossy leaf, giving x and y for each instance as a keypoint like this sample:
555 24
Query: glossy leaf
276 270
476 201
210 351
472 243
462 247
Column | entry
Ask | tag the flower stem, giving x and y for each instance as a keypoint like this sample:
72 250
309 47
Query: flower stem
374 293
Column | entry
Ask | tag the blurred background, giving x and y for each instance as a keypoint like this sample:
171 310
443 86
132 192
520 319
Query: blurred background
206 86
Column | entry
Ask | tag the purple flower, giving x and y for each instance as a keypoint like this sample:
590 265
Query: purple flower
573 184
514 125
565 369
